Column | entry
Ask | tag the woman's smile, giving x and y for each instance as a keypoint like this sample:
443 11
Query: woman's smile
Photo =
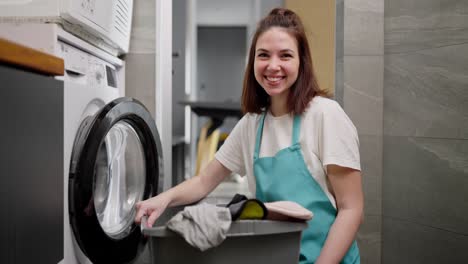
274 80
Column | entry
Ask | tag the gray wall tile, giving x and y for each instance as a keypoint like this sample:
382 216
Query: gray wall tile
142 39
425 93
339 82
371 165
362 100
405 242
425 171
179 21
424 24
369 239
365 73
426 181
339 51
369 236
140 79
363 27
140 71
363 92
339 28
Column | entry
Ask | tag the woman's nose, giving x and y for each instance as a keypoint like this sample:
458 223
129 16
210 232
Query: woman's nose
274 64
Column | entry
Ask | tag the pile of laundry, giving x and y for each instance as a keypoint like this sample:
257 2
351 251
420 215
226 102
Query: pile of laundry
205 225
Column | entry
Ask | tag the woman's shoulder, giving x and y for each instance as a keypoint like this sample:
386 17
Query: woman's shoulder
320 105
251 117
325 110
249 120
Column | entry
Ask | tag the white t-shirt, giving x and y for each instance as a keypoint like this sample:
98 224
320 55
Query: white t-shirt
327 136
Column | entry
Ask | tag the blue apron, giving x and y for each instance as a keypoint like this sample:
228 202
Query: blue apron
285 177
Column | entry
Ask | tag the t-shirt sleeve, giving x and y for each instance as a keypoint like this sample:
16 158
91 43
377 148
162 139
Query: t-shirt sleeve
339 144
230 153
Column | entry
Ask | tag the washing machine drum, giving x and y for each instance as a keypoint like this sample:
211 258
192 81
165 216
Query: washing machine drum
116 162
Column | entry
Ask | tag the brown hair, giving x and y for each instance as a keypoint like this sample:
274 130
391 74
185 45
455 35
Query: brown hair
254 97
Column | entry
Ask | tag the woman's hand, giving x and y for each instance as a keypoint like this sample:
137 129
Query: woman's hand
189 191
153 208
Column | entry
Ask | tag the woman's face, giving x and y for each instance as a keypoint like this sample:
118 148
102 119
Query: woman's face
276 63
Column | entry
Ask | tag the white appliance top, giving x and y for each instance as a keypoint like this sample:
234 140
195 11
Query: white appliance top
105 24
84 63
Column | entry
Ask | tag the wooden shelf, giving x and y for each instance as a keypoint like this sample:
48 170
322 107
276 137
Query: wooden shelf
27 58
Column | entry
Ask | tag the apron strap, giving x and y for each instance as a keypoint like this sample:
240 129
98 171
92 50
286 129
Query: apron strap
259 136
296 129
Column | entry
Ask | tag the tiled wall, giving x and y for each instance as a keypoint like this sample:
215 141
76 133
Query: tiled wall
363 102
179 25
140 61
339 51
425 172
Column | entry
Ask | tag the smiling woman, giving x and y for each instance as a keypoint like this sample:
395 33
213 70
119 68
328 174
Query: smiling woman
292 144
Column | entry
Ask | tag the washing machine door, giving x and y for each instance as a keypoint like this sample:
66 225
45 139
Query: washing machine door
116 162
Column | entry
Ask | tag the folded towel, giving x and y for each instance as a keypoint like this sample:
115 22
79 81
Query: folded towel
287 210
203 226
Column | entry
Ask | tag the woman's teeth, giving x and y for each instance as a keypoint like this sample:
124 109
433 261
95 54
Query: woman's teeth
273 79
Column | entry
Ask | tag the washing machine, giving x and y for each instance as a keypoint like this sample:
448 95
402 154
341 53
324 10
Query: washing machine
112 155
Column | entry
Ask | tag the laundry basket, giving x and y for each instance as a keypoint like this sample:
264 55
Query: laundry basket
247 242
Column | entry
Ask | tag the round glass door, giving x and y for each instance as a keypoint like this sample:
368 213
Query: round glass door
119 179
116 162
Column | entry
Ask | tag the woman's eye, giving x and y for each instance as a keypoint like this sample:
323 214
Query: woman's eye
286 55
262 55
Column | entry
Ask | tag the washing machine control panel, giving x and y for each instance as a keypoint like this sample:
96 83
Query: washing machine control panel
84 68
88 6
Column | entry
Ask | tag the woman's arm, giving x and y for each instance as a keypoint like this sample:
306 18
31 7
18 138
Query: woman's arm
346 185
187 192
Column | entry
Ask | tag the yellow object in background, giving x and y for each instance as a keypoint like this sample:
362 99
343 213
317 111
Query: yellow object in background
207 146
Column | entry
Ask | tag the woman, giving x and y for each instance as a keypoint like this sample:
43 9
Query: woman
293 144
